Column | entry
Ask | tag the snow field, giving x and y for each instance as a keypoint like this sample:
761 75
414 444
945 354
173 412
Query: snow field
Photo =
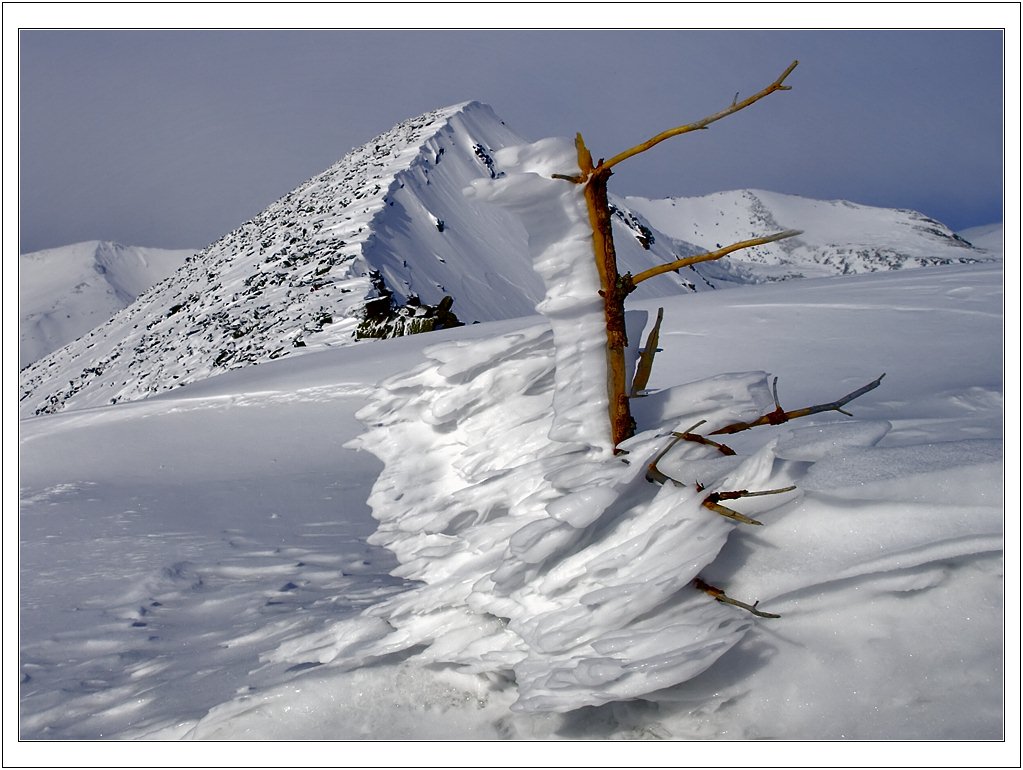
889 584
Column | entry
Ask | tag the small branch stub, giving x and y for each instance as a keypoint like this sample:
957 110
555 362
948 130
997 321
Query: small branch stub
646 358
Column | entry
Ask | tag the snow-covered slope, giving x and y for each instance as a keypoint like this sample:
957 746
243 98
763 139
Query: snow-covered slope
199 577
988 237
390 218
838 236
65 292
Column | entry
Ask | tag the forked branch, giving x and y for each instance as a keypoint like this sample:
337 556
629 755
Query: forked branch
779 415
614 287
724 598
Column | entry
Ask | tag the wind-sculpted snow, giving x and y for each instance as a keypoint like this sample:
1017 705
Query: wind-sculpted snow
570 575
546 559
207 574
565 571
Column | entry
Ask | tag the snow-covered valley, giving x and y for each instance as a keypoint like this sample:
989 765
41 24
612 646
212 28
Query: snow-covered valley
182 557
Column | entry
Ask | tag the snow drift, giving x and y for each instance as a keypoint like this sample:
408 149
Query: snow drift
203 576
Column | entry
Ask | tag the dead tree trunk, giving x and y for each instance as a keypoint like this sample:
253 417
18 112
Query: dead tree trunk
616 287
613 292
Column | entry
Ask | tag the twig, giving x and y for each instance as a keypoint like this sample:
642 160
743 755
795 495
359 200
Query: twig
653 473
698 439
739 493
724 598
779 415
736 105
713 502
728 513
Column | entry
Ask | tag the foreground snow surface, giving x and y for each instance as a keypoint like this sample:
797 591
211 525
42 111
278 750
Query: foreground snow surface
199 564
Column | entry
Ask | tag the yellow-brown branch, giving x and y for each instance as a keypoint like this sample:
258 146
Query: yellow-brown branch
612 291
646 358
614 286
777 85
678 264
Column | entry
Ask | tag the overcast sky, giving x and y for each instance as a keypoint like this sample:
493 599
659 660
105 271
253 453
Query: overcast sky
173 138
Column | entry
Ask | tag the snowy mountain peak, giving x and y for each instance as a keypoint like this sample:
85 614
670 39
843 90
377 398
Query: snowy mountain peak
383 242
299 274
386 242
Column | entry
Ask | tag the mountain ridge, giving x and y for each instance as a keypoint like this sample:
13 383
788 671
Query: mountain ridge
386 230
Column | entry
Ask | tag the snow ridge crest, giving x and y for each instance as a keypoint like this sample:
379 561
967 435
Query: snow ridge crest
298 275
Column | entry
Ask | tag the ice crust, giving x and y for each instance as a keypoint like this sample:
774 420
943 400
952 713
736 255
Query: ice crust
561 245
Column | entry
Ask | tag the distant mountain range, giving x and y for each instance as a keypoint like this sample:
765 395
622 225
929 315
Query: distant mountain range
991 238
384 242
838 236
66 291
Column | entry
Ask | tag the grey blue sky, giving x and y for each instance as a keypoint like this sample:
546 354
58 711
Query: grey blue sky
173 138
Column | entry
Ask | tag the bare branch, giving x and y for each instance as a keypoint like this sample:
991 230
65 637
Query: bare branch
728 513
713 501
740 493
724 598
779 416
646 358
632 281
653 473
736 105
698 439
